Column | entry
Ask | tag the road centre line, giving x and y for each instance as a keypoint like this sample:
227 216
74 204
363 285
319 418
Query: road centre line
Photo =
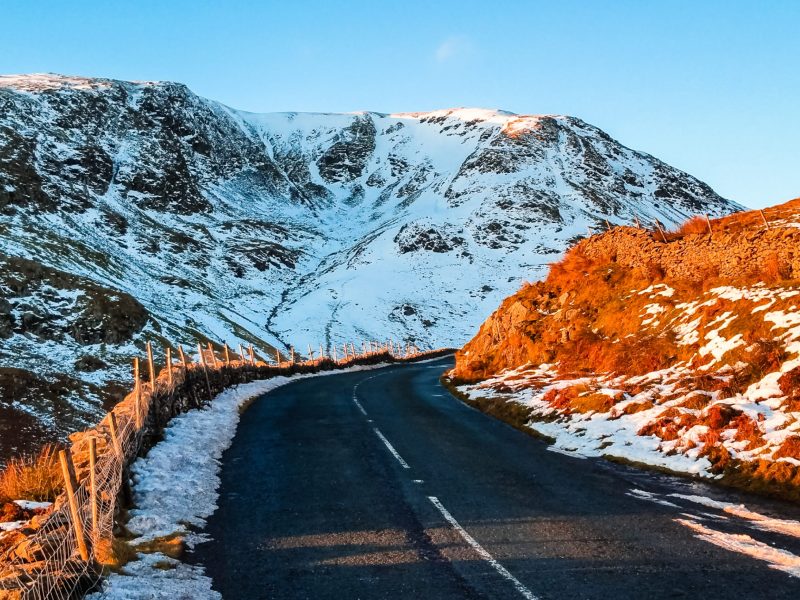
391 448
526 593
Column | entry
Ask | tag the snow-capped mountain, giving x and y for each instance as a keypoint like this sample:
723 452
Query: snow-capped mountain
140 210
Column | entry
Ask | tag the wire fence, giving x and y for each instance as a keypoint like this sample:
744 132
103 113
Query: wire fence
65 557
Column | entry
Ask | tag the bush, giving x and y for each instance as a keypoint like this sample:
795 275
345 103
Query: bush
36 478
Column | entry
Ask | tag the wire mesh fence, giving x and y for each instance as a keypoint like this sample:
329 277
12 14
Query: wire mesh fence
64 555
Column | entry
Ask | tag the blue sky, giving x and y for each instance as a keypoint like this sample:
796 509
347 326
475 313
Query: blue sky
710 87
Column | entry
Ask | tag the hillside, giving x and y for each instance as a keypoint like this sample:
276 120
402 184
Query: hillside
680 351
140 210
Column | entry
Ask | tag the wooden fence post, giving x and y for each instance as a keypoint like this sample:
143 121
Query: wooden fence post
242 357
321 352
151 366
708 222
291 348
169 366
277 357
661 231
138 393
213 356
93 487
638 224
184 362
205 371
70 485
252 356
352 349
227 356
112 425
764 218
335 356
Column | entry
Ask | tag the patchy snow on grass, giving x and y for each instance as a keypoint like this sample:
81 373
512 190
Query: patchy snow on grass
175 491
31 505
672 417
11 525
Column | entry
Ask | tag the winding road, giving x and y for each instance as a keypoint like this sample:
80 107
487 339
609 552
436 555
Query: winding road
380 484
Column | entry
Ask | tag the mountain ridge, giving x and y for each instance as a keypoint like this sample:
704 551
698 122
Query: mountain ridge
284 228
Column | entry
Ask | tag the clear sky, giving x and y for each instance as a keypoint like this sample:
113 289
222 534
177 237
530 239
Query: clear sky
711 87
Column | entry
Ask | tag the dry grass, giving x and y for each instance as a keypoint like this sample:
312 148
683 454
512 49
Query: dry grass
35 478
170 545
789 449
693 226
580 399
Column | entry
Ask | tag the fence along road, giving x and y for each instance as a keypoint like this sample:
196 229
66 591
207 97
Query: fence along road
64 555
381 485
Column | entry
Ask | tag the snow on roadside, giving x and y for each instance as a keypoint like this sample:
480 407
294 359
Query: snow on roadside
777 558
783 526
175 490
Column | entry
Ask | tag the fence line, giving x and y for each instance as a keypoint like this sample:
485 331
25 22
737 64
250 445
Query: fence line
63 559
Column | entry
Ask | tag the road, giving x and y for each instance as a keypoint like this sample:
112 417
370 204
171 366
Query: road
380 484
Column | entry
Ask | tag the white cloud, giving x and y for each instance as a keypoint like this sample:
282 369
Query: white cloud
452 48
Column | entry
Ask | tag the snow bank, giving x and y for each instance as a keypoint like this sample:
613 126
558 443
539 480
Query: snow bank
175 491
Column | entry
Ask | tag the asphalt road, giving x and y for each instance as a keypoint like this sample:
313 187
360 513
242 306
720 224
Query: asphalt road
379 484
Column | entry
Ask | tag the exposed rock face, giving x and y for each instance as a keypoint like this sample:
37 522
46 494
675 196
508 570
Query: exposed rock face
49 305
196 220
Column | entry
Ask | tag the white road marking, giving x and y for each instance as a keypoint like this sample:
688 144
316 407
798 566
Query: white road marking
526 593
391 448
358 404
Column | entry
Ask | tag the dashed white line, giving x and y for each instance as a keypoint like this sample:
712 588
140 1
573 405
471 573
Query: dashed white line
358 404
526 593
391 448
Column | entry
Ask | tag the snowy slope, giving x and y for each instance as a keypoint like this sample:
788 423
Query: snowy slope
278 229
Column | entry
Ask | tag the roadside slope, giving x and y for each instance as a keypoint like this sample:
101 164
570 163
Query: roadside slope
679 350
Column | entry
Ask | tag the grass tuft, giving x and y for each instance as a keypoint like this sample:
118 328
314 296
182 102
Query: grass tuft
36 478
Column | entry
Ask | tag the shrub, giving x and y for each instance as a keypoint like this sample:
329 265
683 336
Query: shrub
747 429
600 403
790 386
36 478
789 449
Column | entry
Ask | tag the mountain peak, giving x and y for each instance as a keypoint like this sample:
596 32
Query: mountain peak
39 82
